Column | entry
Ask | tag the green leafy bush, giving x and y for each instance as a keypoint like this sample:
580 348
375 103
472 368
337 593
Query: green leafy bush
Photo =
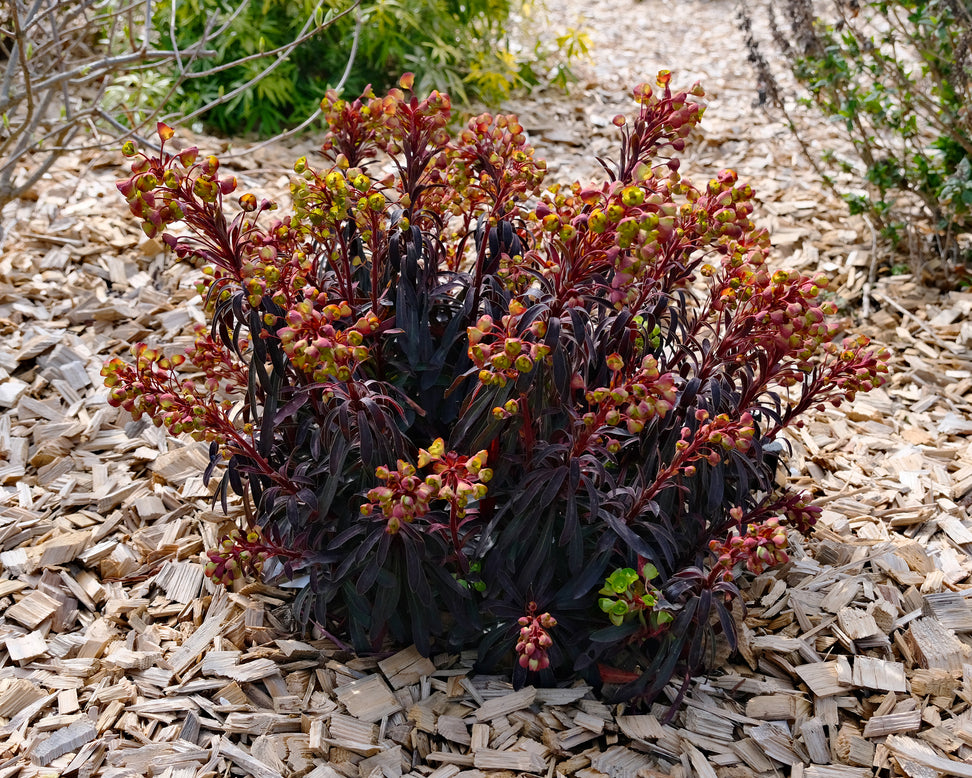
472 411
456 45
896 75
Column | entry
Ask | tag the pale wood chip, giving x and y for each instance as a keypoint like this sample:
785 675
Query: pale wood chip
27 648
406 667
935 646
879 726
916 751
368 698
17 694
244 760
522 761
950 608
33 609
777 707
878 674
503 706
826 678
64 741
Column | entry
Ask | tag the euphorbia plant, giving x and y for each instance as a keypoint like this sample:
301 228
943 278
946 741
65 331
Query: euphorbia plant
473 411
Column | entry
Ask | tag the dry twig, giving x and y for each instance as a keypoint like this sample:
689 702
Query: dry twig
59 59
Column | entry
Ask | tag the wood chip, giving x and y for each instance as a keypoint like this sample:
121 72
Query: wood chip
825 678
251 766
777 707
17 694
879 726
64 741
951 609
508 703
32 610
368 698
406 667
916 751
935 646
879 674
523 761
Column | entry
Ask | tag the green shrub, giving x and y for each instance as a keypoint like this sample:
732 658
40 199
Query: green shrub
474 412
895 73
456 45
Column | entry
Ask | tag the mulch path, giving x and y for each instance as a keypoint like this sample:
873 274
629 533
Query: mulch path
118 658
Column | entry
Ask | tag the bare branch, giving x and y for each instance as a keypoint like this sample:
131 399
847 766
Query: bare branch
66 58
314 116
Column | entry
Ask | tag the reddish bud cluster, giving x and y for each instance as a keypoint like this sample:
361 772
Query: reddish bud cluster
798 510
663 119
207 355
491 163
503 351
853 368
354 126
400 124
783 308
713 438
240 554
411 121
319 346
404 497
534 640
160 190
637 232
152 387
631 399
234 557
455 479
759 548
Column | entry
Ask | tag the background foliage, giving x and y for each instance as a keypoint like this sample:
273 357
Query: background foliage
459 46
895 75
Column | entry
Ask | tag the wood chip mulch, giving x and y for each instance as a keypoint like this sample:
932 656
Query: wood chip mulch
118 658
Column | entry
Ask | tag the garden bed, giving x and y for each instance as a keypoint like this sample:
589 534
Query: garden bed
120 658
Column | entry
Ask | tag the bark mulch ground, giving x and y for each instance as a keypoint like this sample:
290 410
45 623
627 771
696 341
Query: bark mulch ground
118 658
